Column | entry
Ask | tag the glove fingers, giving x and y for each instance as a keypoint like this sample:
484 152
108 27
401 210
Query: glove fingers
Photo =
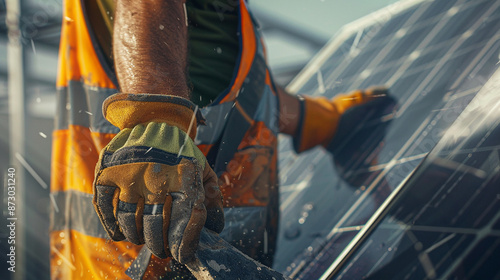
106 203
377 91
154 228
215 219
213 201
130 218
185 227
167 211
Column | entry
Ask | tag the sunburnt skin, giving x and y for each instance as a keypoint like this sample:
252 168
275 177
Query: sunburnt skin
150 47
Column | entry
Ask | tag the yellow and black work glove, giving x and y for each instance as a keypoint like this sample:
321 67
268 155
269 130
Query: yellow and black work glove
327 122
152 184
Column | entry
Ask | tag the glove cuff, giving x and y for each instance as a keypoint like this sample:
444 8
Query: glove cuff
125 110
317 125
320 117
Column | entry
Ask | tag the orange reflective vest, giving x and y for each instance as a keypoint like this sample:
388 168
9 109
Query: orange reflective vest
239 140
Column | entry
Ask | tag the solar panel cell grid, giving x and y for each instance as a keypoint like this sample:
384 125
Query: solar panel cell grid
463 20
455 193
386 31
489 250
438 8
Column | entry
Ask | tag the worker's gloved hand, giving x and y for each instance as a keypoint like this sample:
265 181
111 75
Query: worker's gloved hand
327 122
152 184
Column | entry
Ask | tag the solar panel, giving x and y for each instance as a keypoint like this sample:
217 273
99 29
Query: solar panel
435 56
445 223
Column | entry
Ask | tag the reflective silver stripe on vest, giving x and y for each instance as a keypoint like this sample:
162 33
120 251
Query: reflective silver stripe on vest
80 104
76 212
268 111
215 117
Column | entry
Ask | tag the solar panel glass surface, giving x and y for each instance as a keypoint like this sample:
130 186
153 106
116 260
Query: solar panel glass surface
434 56
444 223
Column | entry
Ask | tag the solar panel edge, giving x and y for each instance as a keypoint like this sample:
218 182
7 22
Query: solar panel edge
367 228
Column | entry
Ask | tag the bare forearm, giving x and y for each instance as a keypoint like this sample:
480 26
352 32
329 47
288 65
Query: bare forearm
150 47
289 112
